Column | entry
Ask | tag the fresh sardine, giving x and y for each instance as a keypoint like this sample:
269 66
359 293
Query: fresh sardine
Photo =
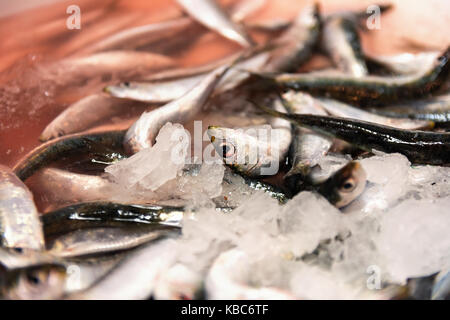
20 226
135 276
85 114
143 132
63 146
296 44
418 146
370 90
341 42
101 240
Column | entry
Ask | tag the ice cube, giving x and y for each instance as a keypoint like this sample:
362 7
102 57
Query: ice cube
154 166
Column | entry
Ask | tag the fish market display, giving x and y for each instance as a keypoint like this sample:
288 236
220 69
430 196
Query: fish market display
225 150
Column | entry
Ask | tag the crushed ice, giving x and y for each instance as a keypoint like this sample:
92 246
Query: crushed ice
397 229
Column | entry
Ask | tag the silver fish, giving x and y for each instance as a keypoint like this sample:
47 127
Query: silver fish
145 35
84 272
35 283
84 114
120 64
143 132
171 89
308 147
154 92
340 109
296 44
135 276
405 63
253 151
11 259
227 279
20 226
100 240
31 274
340 40
209 13
62 187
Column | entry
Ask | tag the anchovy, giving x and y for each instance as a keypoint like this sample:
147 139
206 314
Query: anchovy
154 92
144 131
419 147
101 240
18 258
436 109
253 151
84 114
402 64
60 147
122 64
341 42
84 272
31 274
171 89
140 270
107 214
344 186
370 90
146 35
226 280
210 14
20 226
343 110
62 188
296 44
35 283
307 147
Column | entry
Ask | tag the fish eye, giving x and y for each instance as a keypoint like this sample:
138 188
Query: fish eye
348 186
126 84
227 149
18 250
33 279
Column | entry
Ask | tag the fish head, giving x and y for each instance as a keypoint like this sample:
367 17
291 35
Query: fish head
35 283
345 185
224 141
242 149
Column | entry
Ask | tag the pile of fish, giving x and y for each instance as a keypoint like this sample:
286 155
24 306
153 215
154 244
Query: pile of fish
122 220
